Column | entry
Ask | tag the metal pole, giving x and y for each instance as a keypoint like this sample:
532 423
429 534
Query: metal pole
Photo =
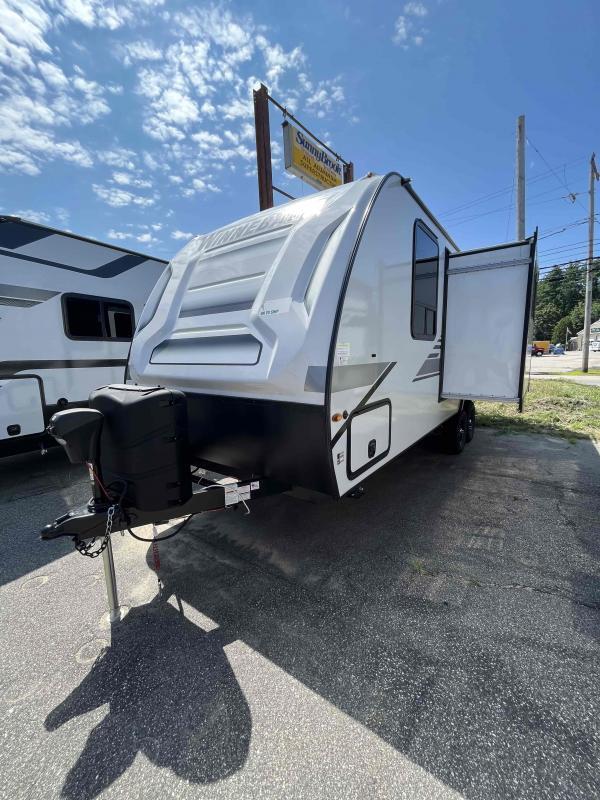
520 178
115 612
587 320
263 147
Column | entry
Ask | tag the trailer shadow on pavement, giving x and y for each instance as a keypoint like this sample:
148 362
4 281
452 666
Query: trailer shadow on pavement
179 704
453 612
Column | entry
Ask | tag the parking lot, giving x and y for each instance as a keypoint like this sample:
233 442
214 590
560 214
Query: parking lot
438 638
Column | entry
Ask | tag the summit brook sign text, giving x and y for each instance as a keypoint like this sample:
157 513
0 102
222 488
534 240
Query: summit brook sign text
305 159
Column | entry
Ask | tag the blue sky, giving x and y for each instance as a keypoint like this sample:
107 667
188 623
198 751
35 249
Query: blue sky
131 120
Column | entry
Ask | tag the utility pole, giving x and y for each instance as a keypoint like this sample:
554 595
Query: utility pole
587 320
520 178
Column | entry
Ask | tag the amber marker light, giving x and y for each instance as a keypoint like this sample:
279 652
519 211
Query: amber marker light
337 417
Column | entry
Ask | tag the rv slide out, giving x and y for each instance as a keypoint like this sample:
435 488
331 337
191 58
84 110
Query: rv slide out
305 346
68 308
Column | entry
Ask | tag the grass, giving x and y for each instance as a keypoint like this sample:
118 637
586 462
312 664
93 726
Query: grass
581 372
555 407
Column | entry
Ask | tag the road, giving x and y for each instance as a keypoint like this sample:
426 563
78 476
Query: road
438 638
549 366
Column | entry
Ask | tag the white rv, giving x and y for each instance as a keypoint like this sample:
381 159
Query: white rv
68 309
305 346
318 340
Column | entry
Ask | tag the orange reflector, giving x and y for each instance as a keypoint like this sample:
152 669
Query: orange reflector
337 417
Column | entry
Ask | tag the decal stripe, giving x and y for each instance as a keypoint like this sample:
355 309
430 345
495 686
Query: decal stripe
16 302
364 401
110 270
424 377
12 367
25 292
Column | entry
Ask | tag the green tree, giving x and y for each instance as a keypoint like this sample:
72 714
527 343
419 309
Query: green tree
576 317
546 317
571 288
559 332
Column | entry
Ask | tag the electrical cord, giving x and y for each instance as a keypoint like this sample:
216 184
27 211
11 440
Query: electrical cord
179 528
161 538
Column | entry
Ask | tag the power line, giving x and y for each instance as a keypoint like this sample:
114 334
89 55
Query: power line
562 181
556 231
505 208
555 279
567 247
510 188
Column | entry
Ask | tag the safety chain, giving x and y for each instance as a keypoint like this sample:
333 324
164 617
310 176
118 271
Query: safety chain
86 548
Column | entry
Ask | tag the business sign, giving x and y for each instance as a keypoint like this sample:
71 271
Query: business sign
307 160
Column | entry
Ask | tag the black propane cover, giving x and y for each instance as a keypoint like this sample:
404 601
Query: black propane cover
144 445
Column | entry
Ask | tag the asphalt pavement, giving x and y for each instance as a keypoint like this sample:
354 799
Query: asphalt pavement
438 638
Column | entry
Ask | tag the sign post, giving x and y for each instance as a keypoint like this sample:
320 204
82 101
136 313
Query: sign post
306 156
263 147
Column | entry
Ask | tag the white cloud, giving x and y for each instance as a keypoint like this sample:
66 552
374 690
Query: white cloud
119 157
104 13
181 235
120 197
146 238
202 186
53 74
277 61
415 9
325 96
407 27
189 75
400 30
40 217
118 235
127 179
140 51
37 112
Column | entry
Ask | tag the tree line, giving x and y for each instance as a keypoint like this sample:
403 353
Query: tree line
559 302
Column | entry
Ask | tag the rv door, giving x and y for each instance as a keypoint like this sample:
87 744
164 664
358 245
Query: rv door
21 409
486 320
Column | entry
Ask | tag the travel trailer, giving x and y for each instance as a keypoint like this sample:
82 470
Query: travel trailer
68 307
305 346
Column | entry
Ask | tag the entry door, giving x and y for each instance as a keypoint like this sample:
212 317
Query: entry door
487 311
21 410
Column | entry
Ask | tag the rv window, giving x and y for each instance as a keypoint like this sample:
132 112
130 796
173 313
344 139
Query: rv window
425 283
97 318
118 320
83 317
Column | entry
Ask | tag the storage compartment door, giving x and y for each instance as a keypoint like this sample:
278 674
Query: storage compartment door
487 308
21 409
368 437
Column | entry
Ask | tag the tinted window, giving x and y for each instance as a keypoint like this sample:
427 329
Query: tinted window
97 318
119 323
84 317
425 284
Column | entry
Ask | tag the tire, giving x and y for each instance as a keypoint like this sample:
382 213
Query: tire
455 433
539 353
469 407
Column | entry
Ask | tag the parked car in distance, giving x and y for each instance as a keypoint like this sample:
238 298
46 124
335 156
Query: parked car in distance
536 350
558 350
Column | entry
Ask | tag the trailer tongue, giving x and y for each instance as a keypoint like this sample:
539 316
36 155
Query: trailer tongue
134 442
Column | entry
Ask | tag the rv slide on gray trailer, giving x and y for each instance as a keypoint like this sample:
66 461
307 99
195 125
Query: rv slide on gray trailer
68 308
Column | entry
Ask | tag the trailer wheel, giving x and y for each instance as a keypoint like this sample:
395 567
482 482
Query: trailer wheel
469 407
455 433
